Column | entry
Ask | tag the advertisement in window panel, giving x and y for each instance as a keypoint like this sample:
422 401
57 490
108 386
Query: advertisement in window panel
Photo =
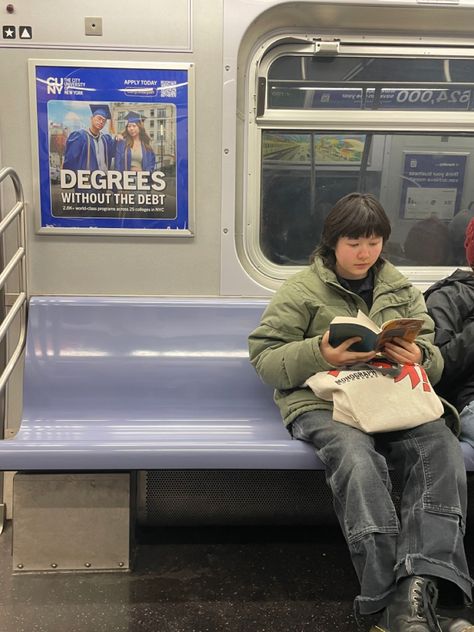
432 185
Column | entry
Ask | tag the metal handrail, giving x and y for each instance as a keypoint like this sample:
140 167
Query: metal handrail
19 254
16 355
17 261
11 215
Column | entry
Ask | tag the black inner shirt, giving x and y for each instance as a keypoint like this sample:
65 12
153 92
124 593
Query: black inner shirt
362 287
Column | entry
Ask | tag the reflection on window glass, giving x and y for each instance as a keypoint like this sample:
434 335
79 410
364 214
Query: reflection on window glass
338 149
374 83
289 228
423 181
292 148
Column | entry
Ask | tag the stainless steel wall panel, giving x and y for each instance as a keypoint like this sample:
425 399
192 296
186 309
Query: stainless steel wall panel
65 522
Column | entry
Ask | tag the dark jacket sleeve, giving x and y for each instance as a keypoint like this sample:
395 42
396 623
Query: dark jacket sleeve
149 159
110 144
73 151
453 335
120 155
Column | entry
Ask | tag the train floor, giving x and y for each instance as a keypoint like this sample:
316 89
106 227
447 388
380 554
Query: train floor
197 580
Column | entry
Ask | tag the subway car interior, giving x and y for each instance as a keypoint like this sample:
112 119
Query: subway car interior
164 168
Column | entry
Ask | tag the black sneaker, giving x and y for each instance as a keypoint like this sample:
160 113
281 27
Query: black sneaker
455 625
412 608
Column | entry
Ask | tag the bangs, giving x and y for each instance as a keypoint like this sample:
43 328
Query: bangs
354 216
365 222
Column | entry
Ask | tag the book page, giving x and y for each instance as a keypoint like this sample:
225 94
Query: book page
406 328
360 319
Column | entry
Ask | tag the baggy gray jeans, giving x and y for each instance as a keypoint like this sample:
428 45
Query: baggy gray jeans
428 539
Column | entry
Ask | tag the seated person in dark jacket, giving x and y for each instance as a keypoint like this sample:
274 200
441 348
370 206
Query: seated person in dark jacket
450 303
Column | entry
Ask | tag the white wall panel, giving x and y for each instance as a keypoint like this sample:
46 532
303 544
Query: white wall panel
164 25
59 264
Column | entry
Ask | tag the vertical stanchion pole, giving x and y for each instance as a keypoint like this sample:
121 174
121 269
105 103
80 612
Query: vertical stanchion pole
3 361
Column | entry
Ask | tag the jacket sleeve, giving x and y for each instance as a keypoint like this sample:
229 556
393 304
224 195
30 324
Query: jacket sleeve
73 150
148 159
456 347
278 349
111 144
432 360
120 156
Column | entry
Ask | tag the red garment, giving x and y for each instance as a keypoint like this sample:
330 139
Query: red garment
469 243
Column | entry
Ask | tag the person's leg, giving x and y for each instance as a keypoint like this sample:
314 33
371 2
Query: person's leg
430 554
360 483
467 424
433 507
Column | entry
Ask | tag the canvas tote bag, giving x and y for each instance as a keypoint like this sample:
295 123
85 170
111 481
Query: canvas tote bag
379 396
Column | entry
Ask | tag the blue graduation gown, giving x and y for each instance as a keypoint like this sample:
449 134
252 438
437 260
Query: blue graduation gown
123 157
80 151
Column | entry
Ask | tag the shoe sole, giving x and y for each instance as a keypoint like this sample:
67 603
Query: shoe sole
455 625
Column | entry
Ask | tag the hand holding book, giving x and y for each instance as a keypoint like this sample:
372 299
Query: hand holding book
373 338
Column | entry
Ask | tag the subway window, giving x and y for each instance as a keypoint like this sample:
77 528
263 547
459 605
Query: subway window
333 117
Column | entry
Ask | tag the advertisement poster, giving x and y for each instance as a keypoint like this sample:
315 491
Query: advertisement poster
432 185
339 149
281 147
113 147
329 149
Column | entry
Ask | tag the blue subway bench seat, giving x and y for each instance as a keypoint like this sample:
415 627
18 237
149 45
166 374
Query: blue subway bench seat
148 384
135 384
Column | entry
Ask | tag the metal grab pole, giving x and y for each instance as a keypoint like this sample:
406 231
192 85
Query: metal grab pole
19 307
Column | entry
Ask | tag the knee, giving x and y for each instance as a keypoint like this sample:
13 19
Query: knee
438 439
360 472
452 453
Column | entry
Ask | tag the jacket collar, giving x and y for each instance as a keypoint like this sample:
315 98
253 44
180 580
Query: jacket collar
386 277
458 276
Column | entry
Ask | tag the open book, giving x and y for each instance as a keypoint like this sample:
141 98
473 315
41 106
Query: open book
373 337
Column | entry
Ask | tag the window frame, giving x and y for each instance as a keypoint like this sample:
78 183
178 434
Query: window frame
333 121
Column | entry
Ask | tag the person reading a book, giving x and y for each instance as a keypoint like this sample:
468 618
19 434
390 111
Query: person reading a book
407 566
450 303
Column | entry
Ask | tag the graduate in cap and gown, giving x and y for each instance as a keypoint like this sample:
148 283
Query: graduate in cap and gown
134 152
91 149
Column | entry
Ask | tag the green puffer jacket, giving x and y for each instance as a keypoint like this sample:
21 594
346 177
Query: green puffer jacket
284 348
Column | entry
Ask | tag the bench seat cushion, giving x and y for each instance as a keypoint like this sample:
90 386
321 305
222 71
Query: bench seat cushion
141 384
122 383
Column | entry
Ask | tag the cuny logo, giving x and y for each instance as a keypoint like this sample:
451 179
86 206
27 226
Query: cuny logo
54 85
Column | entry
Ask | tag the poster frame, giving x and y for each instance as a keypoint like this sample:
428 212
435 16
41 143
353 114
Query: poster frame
184 144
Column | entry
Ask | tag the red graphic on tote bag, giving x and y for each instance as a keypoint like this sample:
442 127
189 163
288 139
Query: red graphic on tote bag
408 371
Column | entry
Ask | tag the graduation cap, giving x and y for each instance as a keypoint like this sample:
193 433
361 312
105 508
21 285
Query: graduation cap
100 109
134 117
